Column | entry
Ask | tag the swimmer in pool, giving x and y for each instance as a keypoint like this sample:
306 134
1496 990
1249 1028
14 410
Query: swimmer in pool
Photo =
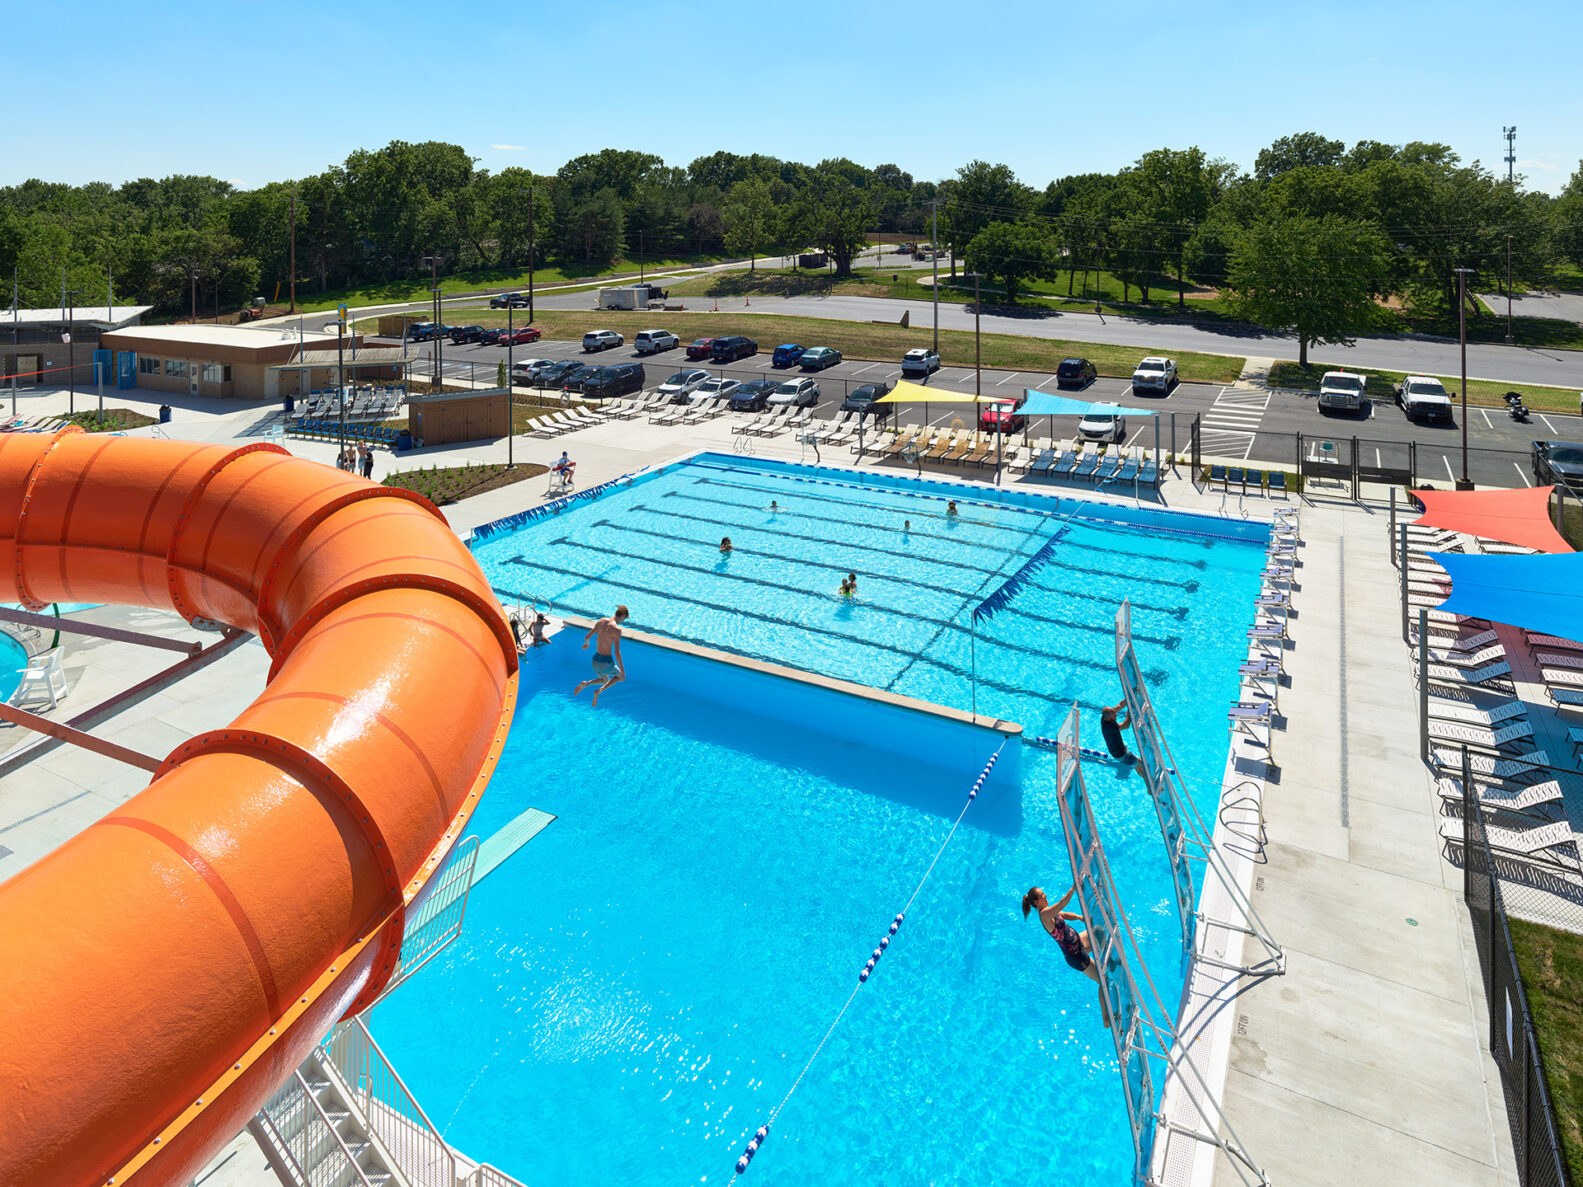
608 668
950 510
1074 944
725 545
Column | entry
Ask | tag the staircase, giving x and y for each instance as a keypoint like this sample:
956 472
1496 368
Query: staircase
313 1136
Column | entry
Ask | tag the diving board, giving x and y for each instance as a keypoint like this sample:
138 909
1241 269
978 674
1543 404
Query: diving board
508 840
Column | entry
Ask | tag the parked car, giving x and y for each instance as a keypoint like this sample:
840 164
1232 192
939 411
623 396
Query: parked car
753 396
1558 461
861 400
561 373
731 348
1423 397
699 348
654 341
574 381
715 389
1073 373
540 367
424 331
920 362
527 370
1104 422
1003 416
817 358
509 301
801 392
601 339
465 334
787 354
490 337
1154 374
682 384
519 336
498 301
1344 391
618 379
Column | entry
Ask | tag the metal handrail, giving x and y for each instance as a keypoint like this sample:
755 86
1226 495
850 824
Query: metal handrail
340 1142
277 1140
391 1111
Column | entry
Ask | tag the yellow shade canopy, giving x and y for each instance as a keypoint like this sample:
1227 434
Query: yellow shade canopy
905 392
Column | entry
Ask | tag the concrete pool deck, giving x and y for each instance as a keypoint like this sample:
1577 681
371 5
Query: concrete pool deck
1367 1061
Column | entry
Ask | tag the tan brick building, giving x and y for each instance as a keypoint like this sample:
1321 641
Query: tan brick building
245 362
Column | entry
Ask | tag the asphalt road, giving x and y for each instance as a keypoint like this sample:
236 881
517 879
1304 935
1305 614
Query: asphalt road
1257 426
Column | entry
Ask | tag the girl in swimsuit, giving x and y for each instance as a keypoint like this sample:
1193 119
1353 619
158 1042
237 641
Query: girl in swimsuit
1074 944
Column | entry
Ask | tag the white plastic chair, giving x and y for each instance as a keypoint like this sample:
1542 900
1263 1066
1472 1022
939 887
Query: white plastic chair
42 680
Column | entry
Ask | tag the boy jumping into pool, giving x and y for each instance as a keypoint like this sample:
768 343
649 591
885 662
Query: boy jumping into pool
1114 742
608 668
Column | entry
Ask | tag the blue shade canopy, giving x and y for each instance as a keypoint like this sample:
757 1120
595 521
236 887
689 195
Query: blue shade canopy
1542 593
1045 404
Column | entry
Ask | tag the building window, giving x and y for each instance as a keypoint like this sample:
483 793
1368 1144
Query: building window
147 366
175 366
217 373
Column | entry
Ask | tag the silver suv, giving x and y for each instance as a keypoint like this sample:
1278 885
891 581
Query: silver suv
601 339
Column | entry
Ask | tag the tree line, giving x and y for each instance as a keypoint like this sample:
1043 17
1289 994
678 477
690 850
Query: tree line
1313 239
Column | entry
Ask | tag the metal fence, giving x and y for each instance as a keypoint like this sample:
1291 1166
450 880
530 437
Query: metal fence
1513 1044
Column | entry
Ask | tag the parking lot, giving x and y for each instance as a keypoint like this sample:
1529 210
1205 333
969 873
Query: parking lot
1254 425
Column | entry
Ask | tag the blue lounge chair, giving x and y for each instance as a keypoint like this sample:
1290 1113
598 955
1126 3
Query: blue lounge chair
1086 467
1043 462
1218 474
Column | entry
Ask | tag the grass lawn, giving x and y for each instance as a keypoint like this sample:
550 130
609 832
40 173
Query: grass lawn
1551 963
1553 332
1382 385
417 289
115 420
867 340
447 484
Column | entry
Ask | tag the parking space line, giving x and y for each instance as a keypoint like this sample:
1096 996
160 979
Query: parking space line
1488 424
1521 475
1133 440
1449 472
1548 425
1010 377
870 367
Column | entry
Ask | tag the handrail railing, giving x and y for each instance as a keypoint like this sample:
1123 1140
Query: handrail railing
392 1113
276 1144
439 919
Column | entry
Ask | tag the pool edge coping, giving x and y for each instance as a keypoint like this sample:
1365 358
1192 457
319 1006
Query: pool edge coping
997 725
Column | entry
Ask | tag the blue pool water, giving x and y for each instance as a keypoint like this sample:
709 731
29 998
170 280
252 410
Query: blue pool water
13 658
636 989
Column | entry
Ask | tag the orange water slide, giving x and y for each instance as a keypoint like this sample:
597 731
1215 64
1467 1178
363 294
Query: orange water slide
163 971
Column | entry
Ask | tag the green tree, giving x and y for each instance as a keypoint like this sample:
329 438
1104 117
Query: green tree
752 219
981 194
1315 277
1174 189
1014 252
1568 219
1293 152
834 215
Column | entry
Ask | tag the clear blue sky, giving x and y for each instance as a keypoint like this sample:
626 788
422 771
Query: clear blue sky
1050 87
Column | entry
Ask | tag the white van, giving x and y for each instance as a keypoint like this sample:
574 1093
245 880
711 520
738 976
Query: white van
654 341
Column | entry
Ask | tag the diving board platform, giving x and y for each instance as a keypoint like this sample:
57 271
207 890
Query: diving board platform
508 840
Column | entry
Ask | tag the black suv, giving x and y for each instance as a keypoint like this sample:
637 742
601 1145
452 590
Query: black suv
618 379
729 349
464 334
1075 373
862 400
509 301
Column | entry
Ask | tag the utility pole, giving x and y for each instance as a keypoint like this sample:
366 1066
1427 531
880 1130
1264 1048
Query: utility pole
71 350
511 384
1511 149
195 296
14 291
530 255
293 308
1463 483
934 243
1508 290
640 257
340 386
434 292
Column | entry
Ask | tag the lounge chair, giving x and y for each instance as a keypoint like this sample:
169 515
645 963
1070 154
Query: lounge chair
1534 763
1519 799
1457 708
1086 465
1454 642
1554 843
1503 737
545 427
1042 463
981 449
1554 659
777 421
1497 676
1553 642
1492 653
1565 698
963 447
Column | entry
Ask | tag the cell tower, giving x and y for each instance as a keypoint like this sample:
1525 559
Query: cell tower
1511 148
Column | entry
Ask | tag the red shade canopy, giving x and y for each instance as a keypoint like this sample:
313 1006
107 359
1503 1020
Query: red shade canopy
1513 516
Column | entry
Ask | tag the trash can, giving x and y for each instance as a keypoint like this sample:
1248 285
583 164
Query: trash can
289 404
164 414
403 441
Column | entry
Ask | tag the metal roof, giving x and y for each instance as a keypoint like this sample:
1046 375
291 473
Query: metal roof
105 317
367 356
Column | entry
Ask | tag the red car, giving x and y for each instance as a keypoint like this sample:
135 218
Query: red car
519 336
1002 417
699 348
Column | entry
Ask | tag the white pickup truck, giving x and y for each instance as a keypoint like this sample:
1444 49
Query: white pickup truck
1423 398
1342 390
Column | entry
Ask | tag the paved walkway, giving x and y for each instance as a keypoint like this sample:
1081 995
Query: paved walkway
1364 1063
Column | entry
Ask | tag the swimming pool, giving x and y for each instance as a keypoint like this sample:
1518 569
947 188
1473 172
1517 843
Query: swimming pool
637 988
13 658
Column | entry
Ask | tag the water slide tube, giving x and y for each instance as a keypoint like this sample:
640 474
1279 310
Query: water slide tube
163 971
